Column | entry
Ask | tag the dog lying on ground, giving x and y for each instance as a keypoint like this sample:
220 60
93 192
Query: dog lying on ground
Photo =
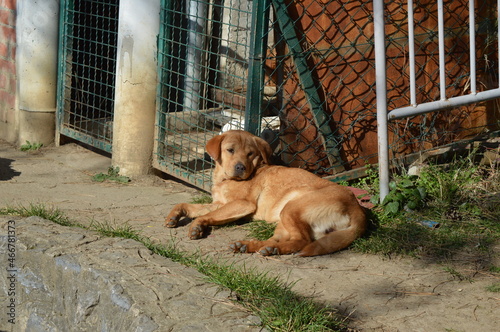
314 216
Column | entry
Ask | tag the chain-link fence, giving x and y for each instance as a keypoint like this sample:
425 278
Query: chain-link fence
87 62
302 75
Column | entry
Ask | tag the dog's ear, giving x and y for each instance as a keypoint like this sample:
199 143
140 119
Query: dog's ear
265 150
213 146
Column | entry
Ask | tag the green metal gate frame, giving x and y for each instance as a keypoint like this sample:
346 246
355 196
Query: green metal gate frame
85 93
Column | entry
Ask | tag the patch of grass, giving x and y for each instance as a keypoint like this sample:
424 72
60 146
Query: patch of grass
39 210
122 231
495 288
202 199
457 275
279 307
113 174
494 269
28 146
268 297
462 197
260 229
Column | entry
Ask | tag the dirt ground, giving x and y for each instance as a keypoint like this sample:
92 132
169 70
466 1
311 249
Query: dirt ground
375 293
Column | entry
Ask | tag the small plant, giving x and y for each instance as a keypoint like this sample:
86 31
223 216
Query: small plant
112 175
404 194
28 146
495 288
495 269
457 275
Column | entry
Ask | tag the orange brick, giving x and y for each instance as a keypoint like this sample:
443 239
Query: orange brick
7 66
4 81
5 17
8 4
4 50
8 33
8 98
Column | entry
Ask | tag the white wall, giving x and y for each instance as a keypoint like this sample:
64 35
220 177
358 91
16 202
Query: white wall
36 66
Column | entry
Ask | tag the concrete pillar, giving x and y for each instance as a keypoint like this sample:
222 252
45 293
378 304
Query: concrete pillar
135 90
36 62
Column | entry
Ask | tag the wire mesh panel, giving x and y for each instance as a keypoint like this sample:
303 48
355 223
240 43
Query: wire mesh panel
324 65
423 132
87 62
203 68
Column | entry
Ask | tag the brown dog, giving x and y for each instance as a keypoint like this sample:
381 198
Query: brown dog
314 216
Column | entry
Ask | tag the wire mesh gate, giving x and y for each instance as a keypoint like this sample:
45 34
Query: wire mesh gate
87 62
302 74
203 68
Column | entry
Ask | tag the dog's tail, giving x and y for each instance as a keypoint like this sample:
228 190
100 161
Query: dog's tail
340 239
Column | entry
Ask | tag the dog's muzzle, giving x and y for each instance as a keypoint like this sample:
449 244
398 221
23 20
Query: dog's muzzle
239 169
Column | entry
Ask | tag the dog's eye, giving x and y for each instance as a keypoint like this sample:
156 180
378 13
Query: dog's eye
250 154
231 151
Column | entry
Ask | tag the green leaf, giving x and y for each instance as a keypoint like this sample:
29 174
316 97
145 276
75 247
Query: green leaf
392 208
392 185
121 178
405 183
99 177
375 199
412 205
423 192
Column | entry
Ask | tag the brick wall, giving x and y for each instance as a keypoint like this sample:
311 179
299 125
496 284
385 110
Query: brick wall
7 60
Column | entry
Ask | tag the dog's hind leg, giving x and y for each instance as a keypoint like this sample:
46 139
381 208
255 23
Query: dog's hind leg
290 236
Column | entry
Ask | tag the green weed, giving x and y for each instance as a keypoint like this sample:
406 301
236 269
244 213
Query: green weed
461 197
495 288
28 146
113 174
457 275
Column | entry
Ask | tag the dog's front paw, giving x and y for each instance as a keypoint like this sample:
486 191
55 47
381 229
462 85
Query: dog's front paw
171 222
238 247
177 212
268 251
196 232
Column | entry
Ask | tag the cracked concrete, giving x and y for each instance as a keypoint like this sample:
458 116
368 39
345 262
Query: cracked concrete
69 279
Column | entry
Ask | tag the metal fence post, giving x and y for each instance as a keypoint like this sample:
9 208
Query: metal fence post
381 88
257 54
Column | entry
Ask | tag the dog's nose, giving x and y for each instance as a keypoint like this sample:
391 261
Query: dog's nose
239 168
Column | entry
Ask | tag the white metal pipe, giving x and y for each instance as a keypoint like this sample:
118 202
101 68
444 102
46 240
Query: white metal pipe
472 46
443 104
196 15
411 55
442 67
381 90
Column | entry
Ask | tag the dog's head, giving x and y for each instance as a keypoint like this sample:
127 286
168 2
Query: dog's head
237 154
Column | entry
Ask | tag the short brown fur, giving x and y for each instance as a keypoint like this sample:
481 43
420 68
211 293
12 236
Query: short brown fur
314 216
